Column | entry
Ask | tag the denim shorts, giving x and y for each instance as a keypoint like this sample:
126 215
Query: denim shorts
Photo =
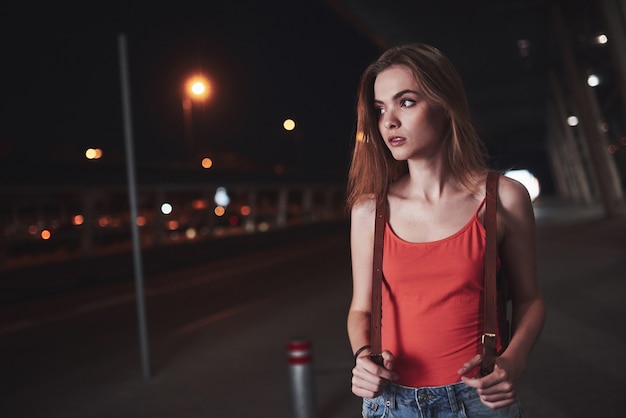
451 401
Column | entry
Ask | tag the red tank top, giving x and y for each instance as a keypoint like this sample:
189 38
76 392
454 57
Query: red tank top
432 304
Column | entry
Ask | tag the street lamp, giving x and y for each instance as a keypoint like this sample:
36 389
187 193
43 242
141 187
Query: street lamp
196 89
289 124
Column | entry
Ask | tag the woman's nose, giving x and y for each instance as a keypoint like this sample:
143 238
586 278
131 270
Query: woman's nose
390 121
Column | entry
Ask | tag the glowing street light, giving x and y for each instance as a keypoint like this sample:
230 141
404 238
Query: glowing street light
197 88
289 124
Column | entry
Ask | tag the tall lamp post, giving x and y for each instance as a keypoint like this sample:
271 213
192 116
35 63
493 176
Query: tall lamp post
196 89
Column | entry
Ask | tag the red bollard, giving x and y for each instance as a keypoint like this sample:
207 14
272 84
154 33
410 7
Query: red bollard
300 359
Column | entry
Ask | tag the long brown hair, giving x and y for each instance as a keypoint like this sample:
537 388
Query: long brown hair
373 168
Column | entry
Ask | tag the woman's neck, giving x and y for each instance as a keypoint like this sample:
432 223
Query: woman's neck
429 180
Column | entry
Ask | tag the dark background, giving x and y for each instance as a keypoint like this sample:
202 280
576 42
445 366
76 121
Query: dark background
267 61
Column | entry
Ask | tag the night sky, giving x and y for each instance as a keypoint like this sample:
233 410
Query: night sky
267 61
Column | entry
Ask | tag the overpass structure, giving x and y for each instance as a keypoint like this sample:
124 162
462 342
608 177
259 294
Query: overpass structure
546 80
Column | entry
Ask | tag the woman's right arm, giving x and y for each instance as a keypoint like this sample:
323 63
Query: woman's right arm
367 377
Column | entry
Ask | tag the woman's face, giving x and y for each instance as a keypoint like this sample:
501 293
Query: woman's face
411 127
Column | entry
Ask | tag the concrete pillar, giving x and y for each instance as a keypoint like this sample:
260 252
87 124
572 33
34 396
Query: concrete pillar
613 13
606 158
569 151
590 125
558 168
554 147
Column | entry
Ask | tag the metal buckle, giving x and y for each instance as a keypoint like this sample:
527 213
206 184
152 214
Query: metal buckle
487 334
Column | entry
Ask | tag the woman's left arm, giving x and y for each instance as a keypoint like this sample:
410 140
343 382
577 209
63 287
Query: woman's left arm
517 250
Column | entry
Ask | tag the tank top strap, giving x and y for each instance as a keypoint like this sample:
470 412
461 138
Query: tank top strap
481 206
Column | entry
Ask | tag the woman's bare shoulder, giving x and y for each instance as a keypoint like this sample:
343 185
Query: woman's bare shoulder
362 215
363 206
511 192
514 201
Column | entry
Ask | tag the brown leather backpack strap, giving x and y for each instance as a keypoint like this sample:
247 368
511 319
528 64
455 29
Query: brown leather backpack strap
489 338
377 277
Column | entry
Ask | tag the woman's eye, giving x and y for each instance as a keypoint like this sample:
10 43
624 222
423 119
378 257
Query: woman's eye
407 102
380 110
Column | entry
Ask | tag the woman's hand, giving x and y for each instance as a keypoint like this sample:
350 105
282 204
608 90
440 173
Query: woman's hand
368 378
496 389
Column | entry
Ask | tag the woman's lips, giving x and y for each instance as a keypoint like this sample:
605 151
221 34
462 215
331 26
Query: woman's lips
395 141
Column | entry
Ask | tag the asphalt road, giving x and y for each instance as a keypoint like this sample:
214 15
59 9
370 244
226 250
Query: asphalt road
217 334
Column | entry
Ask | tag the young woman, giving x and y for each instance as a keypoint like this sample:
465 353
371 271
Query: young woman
416 148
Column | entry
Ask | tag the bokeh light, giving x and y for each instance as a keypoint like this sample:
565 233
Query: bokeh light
93 153
221 197
289 124
572 121
191 233
166 208
207 162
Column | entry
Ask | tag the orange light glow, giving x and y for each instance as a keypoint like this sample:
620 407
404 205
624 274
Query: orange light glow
45 234
207 162
78 220
199 204
198 87
172 225
141 221
103 221
245 210
32 229
219 211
